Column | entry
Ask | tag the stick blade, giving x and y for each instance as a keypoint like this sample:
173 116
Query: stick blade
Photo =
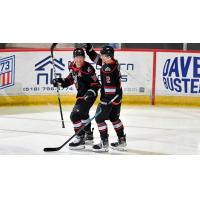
49 149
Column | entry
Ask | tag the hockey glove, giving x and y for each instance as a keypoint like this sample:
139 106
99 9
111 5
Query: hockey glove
88 47
58 82
89 95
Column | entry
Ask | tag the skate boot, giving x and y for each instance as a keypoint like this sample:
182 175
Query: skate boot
78 143
103 146
89 137
120 145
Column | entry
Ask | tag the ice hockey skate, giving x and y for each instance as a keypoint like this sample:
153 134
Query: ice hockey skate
103 146
120 145
78 143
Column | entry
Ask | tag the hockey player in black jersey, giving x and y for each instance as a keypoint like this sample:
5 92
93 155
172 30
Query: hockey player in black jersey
111 86
82 74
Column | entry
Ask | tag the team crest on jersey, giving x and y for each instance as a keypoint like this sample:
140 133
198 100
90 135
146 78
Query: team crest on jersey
7 71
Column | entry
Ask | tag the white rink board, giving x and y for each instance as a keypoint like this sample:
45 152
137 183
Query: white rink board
178 74
32 78
139 79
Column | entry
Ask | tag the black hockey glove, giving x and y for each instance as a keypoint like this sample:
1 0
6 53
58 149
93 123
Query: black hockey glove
88 47
58 82
89 95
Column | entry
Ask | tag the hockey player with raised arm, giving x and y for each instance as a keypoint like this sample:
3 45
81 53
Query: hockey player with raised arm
110 87
82 74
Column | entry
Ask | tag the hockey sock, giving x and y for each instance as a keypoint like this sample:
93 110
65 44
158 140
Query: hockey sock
103 129
77 126
119 128
88 127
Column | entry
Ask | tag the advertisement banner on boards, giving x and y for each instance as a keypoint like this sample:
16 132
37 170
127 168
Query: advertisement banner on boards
31 72
178 74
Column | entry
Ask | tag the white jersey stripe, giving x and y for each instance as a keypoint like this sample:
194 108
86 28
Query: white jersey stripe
97 59
110 90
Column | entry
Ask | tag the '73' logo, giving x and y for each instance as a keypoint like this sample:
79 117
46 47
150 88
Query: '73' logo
5 66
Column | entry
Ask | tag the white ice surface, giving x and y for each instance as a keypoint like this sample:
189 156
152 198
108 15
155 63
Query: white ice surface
150 130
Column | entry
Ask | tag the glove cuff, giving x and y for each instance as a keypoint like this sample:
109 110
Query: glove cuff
90 90
90 49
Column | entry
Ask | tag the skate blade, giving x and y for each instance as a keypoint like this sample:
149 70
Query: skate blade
100 150
119 148
77 148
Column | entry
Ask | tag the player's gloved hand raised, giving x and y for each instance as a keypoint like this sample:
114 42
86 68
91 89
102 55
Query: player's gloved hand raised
88 46
89 95
58 82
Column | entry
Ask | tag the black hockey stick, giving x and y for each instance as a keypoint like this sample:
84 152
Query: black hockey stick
49 149
53 46
58 148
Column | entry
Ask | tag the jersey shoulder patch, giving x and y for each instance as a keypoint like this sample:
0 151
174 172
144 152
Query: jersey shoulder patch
88 68
107 69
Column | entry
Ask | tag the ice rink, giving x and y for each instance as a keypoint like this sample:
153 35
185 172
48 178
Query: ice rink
150 130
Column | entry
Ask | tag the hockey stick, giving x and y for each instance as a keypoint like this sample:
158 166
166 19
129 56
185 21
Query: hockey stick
58 148
49 149
53 46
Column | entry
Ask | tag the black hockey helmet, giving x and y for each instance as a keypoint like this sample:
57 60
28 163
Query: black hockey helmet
78 52
108 51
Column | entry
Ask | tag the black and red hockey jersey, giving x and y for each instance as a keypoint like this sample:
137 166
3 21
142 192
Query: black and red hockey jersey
110 78
84 79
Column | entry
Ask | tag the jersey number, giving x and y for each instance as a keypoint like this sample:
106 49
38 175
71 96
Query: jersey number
108 79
